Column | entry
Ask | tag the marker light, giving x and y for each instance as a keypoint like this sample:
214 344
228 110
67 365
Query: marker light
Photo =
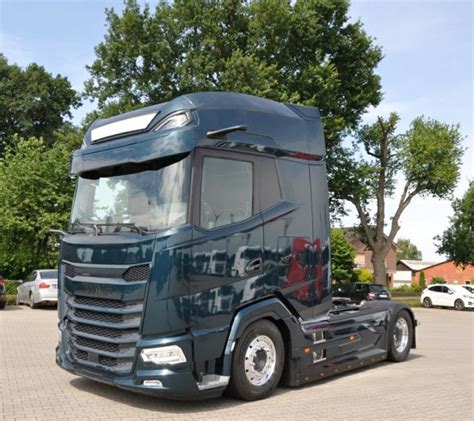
175 121
128 125
163 355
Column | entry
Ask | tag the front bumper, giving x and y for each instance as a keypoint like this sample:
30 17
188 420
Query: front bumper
176 384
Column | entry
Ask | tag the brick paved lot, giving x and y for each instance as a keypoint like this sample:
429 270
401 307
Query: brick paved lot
435 383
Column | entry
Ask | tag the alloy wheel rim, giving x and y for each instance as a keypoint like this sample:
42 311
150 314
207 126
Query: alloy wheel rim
260 360
400 335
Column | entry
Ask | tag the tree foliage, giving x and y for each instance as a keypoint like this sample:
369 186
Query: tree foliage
33 103
342 256
304 51
364 275
35 195
407 250
457 242
428 156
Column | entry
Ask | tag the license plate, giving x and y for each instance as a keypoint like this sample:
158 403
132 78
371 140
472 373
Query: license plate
383 295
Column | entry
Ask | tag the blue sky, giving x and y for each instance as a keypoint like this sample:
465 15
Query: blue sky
427 69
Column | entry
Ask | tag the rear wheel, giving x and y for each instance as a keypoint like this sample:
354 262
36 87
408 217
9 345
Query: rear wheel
400 337
2 305
459 304
427 302
257 362
32 301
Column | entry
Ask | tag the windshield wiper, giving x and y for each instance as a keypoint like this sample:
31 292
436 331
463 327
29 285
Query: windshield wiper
98 227
131 226
83 224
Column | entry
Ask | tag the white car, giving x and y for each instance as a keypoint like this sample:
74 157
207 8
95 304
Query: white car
457 296
40 287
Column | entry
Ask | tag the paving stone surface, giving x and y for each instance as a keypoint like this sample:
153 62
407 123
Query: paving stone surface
436 382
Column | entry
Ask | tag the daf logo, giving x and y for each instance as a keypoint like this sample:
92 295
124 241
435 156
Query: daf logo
96 289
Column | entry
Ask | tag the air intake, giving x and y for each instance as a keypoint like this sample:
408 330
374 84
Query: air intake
137 273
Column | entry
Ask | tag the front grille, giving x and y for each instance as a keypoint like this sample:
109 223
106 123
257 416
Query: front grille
70 271
99 345
99 302
97 331
137 273
100 317
102 332
128 274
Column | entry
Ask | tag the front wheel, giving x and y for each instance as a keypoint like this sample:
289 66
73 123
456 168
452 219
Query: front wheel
427 303
400 337
257 362
459 304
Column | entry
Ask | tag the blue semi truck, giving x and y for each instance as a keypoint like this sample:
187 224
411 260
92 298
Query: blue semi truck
197 260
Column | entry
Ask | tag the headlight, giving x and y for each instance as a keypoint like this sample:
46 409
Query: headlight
163 355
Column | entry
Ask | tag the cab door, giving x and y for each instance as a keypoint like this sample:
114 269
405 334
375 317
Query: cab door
228 228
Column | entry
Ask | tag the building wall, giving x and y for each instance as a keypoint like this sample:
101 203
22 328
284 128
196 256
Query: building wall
450 272
402 277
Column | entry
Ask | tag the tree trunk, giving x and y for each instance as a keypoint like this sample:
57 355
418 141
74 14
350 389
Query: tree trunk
380 272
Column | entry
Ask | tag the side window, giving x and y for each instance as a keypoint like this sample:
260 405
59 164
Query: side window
226 192
444 289
435 289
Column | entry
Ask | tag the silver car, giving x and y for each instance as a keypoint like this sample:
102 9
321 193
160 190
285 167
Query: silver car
40 287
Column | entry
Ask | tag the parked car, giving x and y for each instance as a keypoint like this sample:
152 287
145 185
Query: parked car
457 296
3 293
39 288
360 292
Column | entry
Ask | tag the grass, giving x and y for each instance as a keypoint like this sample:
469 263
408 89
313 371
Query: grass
411 300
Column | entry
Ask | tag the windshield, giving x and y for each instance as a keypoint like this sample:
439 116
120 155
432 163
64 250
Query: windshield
379 288
49 274
147 200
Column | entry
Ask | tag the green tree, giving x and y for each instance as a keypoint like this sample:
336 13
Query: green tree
342 256
428 156
365 275
305 51
438 280
407 250
33 103
35 195
457 242
422 281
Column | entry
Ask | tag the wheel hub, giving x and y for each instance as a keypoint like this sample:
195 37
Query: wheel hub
260 360
400 335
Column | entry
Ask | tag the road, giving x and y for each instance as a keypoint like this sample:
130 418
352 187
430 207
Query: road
436 382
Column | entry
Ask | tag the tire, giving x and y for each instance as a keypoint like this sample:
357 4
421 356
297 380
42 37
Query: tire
427 303
2 305
400 337
32 303
459 304
260 346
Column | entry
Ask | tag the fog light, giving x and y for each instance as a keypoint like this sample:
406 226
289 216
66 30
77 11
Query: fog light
152 383
163 355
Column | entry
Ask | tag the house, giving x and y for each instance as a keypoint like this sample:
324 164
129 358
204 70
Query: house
363 256
407 269
448 270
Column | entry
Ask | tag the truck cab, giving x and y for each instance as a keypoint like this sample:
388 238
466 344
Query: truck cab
197 258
